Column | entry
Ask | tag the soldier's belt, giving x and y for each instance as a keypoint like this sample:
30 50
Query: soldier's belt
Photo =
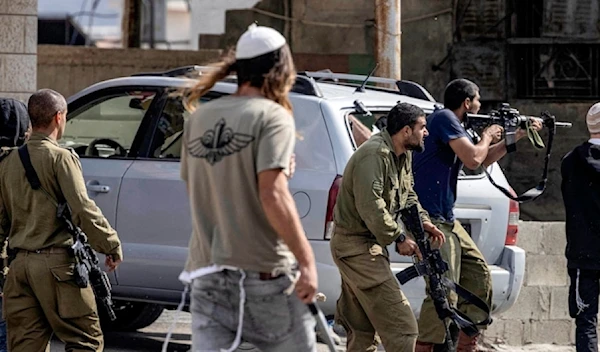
51 250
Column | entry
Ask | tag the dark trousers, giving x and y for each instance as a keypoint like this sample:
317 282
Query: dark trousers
583 306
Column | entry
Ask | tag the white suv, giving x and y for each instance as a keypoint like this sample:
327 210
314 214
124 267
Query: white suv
127 132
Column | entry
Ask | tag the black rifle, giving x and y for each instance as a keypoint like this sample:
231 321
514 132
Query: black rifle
433 266
510 119
87 270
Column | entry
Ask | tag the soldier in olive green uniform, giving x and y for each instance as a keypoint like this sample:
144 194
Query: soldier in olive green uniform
40 295
377 183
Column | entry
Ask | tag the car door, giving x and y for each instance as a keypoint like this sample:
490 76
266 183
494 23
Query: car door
102 128
153 214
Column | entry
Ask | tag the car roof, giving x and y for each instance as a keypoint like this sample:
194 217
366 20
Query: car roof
371 97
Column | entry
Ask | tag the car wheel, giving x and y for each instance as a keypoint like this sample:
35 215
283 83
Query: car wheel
130 315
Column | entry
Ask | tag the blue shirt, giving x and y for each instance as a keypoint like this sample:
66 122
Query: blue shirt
436 168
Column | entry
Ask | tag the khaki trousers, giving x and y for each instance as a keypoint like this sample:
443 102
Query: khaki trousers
371 308
41 298
468 268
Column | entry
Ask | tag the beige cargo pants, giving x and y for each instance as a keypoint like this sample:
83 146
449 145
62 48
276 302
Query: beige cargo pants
371 307
41 298
468 268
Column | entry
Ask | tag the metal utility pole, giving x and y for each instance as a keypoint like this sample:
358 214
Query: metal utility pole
132 23
387 41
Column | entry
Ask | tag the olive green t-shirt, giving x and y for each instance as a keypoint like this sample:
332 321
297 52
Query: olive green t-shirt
227 143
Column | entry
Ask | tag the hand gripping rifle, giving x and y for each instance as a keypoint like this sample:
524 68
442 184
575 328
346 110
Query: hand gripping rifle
87 270
510 119
434 267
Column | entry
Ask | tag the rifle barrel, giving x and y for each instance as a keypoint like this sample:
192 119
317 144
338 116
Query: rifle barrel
490 117
556 123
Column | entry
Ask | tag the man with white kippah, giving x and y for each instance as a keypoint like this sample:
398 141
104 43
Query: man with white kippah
248 252
580 171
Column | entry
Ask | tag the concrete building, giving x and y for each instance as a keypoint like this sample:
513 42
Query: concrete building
18 40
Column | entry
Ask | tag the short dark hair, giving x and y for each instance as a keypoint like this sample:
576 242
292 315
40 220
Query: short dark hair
457 91
403 114
43 106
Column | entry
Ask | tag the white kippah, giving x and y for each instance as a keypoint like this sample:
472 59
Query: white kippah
593 118
257 41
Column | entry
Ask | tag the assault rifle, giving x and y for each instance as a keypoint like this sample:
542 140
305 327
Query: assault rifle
510 119
87 270
433 266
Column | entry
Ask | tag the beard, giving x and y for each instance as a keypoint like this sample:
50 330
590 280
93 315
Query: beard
416 146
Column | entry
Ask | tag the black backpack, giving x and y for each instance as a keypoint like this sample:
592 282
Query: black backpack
14 122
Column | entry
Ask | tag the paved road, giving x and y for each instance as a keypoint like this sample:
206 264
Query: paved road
153 337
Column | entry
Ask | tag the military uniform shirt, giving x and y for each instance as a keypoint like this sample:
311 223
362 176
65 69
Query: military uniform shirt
28 217
376 185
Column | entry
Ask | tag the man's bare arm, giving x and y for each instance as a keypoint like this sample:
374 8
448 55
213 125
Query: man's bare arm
471 155
495 153
360 132
498 150
282 214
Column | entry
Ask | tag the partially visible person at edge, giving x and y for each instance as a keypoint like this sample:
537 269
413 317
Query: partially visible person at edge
376 184
248 251
40 295
15 130
580 170
436 171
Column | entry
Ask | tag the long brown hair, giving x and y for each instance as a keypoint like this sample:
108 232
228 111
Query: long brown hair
274 73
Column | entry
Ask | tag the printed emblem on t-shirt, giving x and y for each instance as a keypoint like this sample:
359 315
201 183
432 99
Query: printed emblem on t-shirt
218 143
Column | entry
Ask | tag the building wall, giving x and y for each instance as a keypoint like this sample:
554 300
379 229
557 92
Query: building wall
540 314
208 17
18 45
68 69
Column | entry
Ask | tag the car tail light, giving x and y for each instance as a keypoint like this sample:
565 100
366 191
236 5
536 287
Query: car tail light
333 192
513 221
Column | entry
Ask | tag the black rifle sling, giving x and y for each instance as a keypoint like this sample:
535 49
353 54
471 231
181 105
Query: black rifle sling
470 297
30 173
462 321
34 180
537 191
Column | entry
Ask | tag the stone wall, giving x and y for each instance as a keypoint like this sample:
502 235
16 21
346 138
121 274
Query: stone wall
68 69
18 45
540 314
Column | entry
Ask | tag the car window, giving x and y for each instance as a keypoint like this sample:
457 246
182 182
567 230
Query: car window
107 126
169 128
369 120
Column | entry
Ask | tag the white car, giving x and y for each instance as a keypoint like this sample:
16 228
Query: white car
127 132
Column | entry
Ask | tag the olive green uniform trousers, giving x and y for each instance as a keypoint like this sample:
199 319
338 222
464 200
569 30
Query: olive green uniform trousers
371 307
41 297
468 268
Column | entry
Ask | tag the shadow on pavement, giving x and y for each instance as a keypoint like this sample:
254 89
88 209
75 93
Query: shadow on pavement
146 341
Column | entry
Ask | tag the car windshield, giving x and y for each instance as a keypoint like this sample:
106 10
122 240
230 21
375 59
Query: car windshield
361 126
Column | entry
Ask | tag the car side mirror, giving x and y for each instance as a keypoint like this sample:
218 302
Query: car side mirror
136 103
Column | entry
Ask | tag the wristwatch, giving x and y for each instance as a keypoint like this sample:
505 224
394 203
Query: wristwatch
401 238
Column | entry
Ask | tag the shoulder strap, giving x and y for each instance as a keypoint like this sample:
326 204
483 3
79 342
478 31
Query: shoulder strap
30 173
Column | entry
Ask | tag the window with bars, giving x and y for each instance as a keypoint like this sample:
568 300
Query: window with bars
554 48
557 70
